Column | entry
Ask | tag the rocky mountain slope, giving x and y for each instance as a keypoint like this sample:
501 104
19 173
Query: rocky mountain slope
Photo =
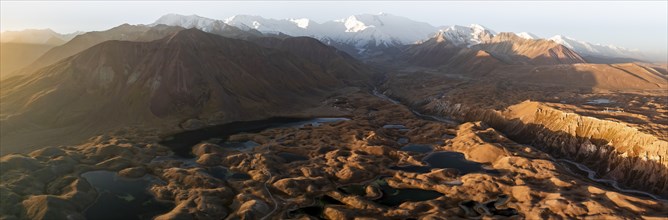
465 36
615 151
598 51
84 41
187 74
610 77
513 49
487 53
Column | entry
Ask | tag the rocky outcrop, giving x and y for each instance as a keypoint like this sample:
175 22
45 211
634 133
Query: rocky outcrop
302 186
513 49
613 149
45 184
49 207
493 52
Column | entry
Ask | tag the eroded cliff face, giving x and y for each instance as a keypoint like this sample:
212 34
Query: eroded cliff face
612 149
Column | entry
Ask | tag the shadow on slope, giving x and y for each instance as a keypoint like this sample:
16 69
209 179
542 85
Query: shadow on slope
188 74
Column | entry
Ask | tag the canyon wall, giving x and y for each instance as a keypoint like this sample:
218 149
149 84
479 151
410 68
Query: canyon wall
614 150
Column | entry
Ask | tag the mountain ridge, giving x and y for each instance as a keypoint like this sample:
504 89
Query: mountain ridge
361 35
186 74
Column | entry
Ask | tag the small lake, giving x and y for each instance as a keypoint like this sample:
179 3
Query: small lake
391 196
185 162
182 143
123 198
222 173
599 101
290 157
444 159
456 160
316 209
413 168
394 197
418 148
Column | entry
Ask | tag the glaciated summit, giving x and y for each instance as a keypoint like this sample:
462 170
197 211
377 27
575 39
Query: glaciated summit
363 33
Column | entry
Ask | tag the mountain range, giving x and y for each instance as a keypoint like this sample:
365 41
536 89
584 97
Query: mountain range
183 67
360 35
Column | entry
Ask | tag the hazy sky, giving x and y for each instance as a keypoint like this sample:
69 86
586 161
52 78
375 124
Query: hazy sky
633 24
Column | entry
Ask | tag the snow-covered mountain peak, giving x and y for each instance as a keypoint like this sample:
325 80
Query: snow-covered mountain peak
574 44
558 38
528 36
245 22
244 18
466 35
599 50
354 25
186 21
294 27
479 29
368 31
301 22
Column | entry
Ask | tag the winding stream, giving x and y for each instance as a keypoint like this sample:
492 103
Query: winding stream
590 174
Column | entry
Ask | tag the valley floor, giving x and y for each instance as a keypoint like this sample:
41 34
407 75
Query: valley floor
342 169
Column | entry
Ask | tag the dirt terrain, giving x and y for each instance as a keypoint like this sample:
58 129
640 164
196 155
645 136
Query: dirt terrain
517 181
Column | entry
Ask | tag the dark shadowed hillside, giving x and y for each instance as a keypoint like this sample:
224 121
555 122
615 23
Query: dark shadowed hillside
186 74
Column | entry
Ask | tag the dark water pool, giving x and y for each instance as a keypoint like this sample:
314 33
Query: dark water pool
394 197
239 176
391 196
355 189
184 162
413 169
456 160
316 209
395 126
182 143
220 172
123 198
447 159
418 148
290 157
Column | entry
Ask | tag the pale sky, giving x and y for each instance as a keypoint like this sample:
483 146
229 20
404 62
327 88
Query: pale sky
632 24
